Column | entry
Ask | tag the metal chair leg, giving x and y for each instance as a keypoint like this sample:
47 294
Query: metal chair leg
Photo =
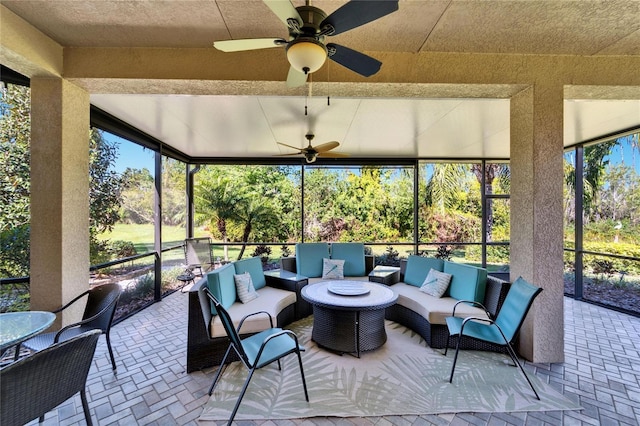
514 358
219 373
113 360
455 358
304 381
244 390
85 407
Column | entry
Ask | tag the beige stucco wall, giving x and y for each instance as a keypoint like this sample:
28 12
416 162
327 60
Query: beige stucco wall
25 49
59 195
536 215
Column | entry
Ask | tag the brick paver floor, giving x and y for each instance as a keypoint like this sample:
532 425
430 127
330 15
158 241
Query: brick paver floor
601 371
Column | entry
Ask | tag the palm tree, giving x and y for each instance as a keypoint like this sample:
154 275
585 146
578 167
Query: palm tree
444 184
218 196
491 172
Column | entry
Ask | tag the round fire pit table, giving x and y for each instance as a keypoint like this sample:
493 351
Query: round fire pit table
348 316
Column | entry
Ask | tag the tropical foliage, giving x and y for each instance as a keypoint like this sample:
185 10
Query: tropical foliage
104 189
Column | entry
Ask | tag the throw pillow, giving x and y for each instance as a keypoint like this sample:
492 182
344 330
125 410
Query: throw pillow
436 283
332 269
244 287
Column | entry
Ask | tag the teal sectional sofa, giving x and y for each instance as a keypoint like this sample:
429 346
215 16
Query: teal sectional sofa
425 314
308 260
206 338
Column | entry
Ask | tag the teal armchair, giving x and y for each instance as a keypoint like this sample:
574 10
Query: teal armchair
257 350
500 331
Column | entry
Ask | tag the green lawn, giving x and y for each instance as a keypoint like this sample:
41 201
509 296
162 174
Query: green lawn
142 238
142 235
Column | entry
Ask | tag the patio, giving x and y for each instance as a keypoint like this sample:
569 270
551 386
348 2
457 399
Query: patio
601 371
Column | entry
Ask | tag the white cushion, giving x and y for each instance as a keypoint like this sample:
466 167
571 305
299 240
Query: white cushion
436 283
433 309
332 269
272 300
244 287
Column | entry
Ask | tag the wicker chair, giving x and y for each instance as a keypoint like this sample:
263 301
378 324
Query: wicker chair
98 314
36 384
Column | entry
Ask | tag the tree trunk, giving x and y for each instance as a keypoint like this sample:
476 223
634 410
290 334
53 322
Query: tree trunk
245 239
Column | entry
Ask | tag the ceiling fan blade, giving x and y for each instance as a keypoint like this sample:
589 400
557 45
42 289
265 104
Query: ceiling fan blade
332 155
358 62
289 146
248 44
286 155
284 10
357 13
326 146
296 78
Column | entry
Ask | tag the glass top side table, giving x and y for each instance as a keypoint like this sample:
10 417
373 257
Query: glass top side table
16 327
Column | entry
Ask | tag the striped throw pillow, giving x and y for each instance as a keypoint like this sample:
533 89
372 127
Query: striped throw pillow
244 287
436 283
332 269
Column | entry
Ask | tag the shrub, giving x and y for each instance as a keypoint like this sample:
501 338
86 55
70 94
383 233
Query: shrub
169 279
444 252
389 258
122 249
262 251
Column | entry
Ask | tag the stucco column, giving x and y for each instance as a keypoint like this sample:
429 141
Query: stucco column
536 215
59 194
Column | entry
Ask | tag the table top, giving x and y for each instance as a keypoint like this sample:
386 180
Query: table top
285 275
379 296
383 271
16 327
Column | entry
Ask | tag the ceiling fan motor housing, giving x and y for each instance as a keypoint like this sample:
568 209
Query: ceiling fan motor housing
312 17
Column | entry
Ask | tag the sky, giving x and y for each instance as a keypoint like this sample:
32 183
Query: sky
134 156
131 155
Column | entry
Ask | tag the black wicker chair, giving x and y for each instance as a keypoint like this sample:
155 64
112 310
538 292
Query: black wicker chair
36 384
98 314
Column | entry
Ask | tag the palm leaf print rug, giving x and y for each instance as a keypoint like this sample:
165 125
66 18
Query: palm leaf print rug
403 377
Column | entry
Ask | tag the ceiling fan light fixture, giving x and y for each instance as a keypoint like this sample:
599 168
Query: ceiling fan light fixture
306 55
310 157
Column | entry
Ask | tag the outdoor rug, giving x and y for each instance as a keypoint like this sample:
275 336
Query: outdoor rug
402 377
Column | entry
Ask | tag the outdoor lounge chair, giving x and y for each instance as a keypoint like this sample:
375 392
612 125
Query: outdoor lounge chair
255 351
198 256
36 384
98 314
500 331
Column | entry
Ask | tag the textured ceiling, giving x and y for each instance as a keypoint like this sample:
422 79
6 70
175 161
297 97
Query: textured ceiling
200 124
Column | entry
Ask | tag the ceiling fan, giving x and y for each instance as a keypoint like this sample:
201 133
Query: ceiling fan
308 26
312 152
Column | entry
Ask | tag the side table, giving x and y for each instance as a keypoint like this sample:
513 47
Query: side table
185 278
387 275
287 280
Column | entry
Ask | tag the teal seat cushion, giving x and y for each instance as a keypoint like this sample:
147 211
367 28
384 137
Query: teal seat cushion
222 285
253 266
309 258
418 267
353 256
467 282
